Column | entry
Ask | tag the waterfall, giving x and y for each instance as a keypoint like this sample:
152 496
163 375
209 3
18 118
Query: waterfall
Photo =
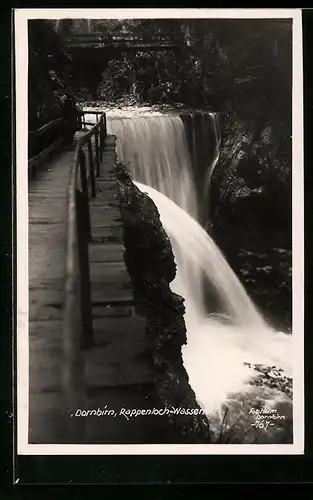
192 245
216 351
216 125
157 150
219 344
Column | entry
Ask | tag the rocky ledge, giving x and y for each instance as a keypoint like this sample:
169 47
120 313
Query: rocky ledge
151 266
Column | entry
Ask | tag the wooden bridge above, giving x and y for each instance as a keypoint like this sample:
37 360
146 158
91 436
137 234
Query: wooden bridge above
122 42
87 345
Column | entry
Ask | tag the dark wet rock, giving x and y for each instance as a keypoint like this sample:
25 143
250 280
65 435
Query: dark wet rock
201 140
151 266
251 210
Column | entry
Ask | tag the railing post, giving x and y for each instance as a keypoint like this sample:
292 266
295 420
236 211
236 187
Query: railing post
101 138
105 124
97 153
79 121
91 169
83 177
83 258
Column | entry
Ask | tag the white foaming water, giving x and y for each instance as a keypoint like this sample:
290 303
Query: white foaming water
218 141
217 347
157 149
216 351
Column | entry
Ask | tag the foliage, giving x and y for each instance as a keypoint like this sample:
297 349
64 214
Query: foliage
221 63
49 74
240 66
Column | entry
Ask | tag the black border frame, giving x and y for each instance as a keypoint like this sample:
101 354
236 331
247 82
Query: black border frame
137 470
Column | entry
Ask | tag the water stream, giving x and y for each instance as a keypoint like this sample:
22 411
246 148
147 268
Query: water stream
222 340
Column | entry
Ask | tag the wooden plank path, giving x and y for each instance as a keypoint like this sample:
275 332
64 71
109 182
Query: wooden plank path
47 233
117 371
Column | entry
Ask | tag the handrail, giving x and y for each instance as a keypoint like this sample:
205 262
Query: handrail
45 127
82 120
34 161
77 325
91 112
90 132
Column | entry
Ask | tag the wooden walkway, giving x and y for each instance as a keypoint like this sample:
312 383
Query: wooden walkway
47 198
117 373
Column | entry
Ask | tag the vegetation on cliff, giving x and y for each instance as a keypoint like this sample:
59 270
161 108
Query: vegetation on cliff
50 74
219 63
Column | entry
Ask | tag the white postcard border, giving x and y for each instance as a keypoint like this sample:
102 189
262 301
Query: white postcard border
22 342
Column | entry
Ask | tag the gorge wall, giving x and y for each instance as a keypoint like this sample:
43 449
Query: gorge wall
246 199
251 211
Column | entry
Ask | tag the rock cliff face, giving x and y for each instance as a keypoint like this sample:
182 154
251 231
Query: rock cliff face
247 205
150 263
202 143
250 206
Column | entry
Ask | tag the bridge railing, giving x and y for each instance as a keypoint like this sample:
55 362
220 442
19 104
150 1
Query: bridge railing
109 39
122 42
78 323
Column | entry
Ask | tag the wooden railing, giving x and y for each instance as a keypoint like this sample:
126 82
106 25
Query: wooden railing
35 135
52 135
78 323
82 123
